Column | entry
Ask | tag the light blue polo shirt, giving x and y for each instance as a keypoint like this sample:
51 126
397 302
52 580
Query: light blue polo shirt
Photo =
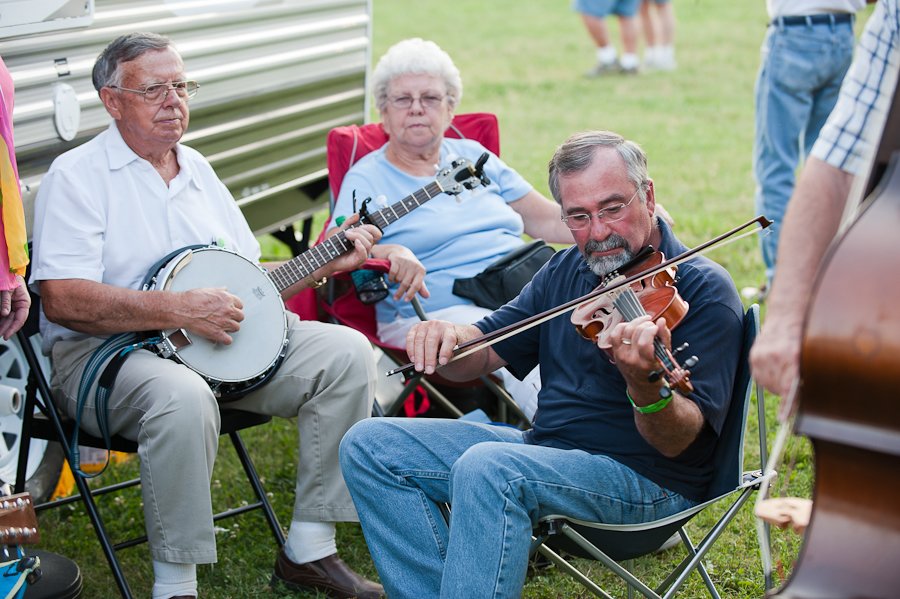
453 236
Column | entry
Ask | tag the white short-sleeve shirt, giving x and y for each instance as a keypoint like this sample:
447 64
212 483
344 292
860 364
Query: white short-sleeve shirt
104 214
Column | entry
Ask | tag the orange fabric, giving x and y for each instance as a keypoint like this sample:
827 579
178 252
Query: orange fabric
12 215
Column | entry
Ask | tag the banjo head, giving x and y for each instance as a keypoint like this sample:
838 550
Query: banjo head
261 340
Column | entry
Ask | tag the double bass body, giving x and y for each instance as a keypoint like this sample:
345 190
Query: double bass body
850 410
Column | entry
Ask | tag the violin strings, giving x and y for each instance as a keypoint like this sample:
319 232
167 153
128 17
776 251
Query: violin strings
628 304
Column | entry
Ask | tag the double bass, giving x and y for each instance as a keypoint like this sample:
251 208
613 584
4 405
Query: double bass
849 398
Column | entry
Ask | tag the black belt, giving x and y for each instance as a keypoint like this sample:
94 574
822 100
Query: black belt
832 18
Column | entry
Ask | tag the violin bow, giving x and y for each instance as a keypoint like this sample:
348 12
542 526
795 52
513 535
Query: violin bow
474 345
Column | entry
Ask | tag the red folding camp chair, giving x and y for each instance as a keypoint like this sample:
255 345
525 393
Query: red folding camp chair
338 303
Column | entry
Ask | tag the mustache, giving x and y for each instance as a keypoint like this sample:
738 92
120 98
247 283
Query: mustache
603 265
614 241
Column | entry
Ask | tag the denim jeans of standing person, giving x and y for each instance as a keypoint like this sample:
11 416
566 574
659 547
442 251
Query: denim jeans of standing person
399 471
801 71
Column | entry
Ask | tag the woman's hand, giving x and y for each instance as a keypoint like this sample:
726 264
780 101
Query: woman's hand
406 271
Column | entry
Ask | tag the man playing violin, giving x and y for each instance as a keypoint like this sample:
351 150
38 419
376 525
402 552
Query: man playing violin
106 211
610 442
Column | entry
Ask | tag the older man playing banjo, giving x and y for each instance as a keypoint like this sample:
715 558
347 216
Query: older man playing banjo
106 212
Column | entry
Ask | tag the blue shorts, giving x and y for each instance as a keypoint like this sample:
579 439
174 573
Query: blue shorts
603 8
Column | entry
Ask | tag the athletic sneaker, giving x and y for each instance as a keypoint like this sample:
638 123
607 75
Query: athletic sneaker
664 63
603 68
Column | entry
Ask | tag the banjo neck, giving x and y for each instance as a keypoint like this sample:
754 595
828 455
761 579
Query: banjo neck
461 175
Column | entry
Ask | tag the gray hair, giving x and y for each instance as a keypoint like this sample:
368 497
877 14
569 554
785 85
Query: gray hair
419 57
577 153
124 48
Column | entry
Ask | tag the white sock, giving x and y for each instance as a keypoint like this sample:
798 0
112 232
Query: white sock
606 55
666 53
650 54
171 580
629 61
310 541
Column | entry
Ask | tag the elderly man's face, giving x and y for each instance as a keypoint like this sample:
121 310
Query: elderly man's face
150 127
607 245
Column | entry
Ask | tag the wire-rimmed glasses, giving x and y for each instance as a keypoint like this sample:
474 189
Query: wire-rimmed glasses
610 214
158 92
427 101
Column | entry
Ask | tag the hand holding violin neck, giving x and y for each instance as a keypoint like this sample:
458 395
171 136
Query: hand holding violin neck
654 296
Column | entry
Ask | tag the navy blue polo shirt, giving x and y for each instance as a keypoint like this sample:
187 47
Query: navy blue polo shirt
582 402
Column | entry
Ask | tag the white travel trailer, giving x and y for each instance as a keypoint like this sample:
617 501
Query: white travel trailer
275 76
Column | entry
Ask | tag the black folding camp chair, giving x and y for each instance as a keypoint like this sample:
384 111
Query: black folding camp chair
614 543
43 420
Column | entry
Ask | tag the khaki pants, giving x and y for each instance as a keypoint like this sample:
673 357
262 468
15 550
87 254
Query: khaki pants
326 381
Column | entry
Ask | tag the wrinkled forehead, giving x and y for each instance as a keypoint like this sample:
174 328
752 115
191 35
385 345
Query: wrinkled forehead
153 66
412 83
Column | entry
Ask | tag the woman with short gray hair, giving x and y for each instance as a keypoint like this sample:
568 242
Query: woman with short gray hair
417 89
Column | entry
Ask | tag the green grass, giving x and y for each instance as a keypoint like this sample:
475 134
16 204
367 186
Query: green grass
523 61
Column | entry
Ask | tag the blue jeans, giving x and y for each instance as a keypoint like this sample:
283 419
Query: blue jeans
797 87
603 8
400 470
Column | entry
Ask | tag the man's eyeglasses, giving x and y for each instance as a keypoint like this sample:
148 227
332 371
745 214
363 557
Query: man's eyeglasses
158 92
610 214
428 101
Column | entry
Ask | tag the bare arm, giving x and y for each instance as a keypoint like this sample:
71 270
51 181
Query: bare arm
672 429
812 219
541 217
431 343
99 309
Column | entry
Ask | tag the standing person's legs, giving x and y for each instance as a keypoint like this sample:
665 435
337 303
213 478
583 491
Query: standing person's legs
593 15
596 27
789 69
648 27
665 12
627 10
836 59
398 472
665 54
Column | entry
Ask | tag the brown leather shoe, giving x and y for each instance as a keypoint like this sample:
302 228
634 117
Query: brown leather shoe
329 575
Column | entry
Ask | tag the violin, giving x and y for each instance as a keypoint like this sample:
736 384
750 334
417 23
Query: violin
655 296
485 341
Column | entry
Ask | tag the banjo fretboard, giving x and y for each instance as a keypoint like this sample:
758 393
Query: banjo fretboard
318 256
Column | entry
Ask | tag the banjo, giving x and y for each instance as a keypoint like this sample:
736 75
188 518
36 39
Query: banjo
260 345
